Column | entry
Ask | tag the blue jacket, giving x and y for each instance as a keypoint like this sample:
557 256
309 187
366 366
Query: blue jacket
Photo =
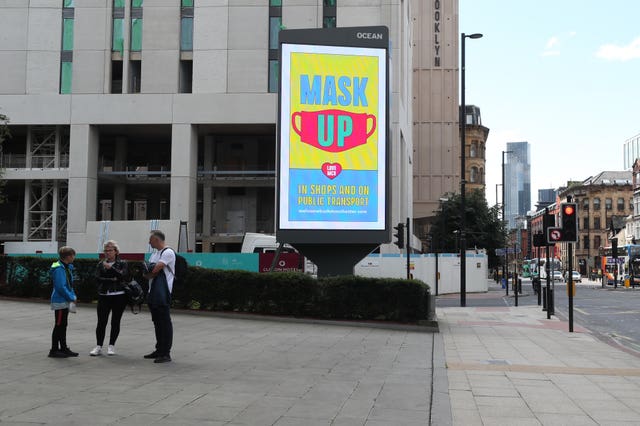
62 289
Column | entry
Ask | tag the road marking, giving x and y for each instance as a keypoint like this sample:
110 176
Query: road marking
581 311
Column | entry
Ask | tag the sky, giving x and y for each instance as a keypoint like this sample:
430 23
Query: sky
563 75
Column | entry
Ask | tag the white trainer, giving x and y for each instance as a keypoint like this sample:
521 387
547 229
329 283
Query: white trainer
96 351
111 350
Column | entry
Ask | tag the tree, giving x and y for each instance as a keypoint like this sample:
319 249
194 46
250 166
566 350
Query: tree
4 134
484 229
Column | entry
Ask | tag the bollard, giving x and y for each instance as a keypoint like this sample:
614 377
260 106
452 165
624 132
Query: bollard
544 298
550 302
539 294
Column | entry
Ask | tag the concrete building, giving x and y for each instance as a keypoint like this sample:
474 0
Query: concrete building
601 198
517 181
631 151
475 148
436 112
128 116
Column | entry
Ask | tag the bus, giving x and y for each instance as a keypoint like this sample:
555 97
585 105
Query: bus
626 266
526 268
538 270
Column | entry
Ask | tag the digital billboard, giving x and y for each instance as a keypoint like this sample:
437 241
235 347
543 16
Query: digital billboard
333 142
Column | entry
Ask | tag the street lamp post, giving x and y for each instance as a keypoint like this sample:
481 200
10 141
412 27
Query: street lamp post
505 267
463 174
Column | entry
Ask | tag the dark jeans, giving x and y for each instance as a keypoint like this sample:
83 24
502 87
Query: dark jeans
106 304
161 317
59 334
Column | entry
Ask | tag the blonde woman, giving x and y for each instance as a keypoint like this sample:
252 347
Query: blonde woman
111 274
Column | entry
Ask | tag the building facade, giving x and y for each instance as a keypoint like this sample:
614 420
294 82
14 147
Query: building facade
546 197
475 149
517 190
601 199
436 112
128 115
631 151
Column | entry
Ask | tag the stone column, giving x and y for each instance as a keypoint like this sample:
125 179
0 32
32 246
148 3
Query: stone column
83 184
184 156
119 189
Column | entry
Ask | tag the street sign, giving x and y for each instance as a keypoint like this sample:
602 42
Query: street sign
508 250
554 234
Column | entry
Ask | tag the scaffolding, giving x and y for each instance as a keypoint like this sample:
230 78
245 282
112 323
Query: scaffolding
45 201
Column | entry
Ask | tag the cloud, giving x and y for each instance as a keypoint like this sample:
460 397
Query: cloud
613 52
552 42
551 48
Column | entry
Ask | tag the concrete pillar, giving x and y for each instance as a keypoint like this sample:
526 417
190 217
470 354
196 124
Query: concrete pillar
83 181
184 168
119 189
207 191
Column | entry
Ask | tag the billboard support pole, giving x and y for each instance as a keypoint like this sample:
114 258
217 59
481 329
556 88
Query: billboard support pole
275 258
408 245
335 259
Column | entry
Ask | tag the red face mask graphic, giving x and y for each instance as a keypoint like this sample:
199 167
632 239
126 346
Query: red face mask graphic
333 130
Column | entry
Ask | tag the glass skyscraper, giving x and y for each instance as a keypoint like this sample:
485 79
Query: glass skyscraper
517 183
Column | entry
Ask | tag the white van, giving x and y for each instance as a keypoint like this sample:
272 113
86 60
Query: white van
254 242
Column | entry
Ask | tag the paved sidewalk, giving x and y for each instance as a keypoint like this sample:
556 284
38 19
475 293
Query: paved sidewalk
512 366
225 372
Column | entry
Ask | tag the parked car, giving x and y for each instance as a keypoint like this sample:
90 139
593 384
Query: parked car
557 276
577 278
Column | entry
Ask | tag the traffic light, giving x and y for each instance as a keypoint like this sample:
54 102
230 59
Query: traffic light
399 235
614 247
569 221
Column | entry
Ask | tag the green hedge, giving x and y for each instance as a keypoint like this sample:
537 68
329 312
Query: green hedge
345 297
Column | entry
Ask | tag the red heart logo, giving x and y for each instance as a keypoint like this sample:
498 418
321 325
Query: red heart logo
331 170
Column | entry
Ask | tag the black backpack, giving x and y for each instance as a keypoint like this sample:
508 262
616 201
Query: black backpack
135 294
181 268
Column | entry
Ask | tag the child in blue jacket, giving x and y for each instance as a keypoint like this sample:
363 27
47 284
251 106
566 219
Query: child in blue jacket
61 297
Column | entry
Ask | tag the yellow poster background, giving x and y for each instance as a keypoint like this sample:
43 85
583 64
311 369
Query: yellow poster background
305 156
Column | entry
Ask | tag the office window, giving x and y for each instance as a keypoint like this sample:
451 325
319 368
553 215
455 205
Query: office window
585 244
66 48
136 34
275 23
597 243
117 42
473 175
135 75
596 203
187 3
621 204
67 34
596 223
329 19
274 69
186 76
473 151
116 76
118 3
585 204
585 223
608 203
329 22
186 33
66 70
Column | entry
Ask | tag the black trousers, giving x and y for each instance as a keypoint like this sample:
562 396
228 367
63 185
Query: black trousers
59 334
116 306
161 317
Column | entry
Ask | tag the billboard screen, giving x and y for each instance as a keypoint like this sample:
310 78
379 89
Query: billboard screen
333 137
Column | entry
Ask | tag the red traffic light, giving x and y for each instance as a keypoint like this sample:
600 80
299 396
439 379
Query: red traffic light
569 210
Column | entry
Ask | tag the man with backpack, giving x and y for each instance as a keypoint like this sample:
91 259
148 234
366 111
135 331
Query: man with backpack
161 274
